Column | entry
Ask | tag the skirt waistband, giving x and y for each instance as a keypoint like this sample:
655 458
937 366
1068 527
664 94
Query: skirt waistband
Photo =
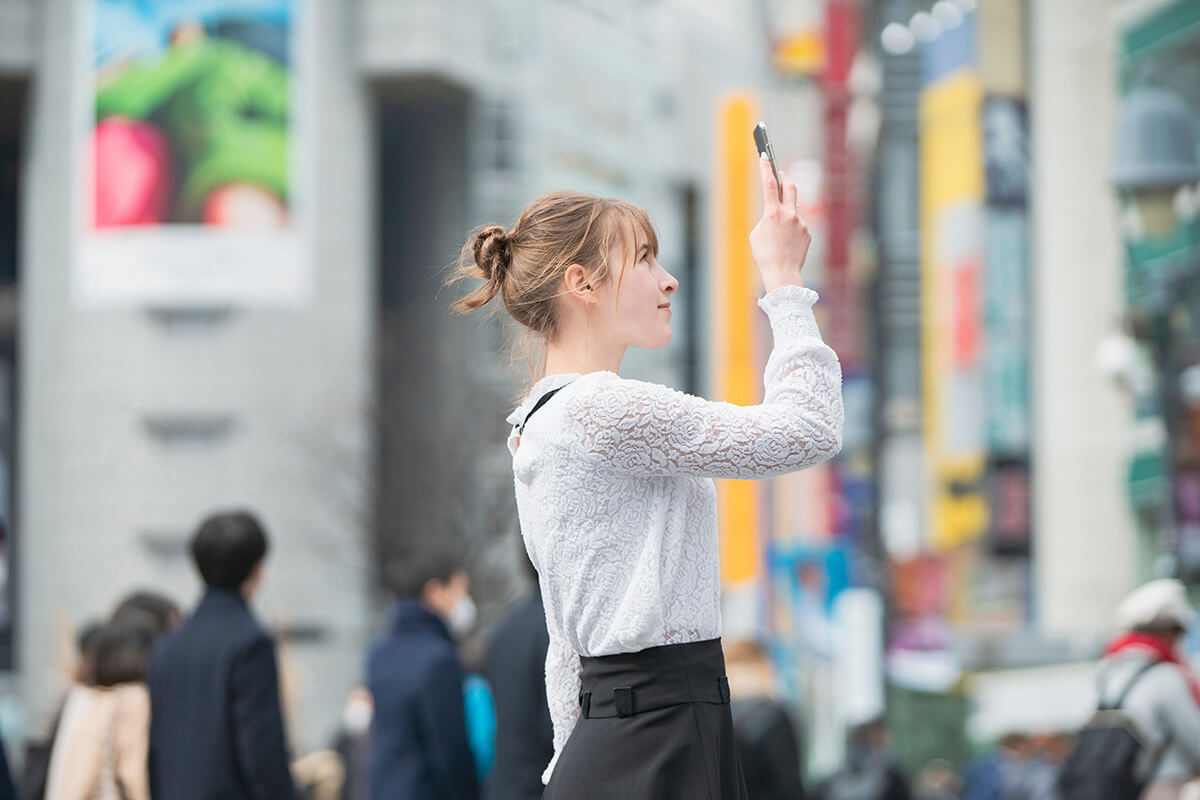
625 684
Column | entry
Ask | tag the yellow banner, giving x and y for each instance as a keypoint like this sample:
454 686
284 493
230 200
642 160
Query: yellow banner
952 246
734 290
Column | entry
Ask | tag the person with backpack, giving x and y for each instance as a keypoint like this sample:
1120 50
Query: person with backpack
1144 741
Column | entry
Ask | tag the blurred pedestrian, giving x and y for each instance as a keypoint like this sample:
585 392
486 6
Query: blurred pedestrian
870 772
419 747
613 483
319 775
36 771
515 667
766 737
217 728
480 713
1144 679
8 787
1035 775
937 780
100 751
354 741
989 776
160 608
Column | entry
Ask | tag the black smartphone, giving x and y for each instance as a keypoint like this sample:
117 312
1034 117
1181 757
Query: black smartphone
763 143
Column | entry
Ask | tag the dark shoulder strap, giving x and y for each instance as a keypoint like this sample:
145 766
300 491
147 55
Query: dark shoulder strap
541 402
1149 665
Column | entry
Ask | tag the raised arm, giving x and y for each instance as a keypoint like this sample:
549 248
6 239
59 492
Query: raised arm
643 428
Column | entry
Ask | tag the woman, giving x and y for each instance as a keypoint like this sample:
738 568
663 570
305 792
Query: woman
102 754
614 490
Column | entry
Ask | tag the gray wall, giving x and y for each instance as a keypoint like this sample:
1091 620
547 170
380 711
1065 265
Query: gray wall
106 504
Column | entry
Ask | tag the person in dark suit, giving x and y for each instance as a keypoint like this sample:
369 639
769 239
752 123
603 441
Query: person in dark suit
516 669
216 727
766 737
419 748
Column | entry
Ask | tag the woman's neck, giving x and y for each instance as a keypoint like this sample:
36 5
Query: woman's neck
568 357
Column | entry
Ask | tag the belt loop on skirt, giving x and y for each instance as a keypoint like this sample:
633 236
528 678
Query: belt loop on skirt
623 700
585 703
723 688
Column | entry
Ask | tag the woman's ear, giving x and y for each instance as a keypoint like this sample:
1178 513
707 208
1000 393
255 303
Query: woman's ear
578 282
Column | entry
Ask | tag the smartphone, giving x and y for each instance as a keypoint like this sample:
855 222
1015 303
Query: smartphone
763 143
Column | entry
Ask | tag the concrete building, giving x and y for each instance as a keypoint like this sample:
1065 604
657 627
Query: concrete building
353 412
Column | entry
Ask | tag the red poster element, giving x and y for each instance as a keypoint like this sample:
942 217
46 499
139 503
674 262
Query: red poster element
964 303
920 586
841 38
133 180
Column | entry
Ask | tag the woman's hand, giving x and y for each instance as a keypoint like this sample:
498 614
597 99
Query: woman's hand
780 240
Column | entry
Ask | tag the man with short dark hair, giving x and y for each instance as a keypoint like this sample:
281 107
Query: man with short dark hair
419 748
216 727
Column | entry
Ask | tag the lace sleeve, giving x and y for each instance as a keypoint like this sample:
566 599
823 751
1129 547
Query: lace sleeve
649 429
562 690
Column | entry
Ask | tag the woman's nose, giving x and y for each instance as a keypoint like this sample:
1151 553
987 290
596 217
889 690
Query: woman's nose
670 284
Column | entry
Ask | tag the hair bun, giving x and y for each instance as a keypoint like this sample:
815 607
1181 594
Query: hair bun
493 252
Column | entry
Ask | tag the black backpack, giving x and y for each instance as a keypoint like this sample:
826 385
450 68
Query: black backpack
1104 763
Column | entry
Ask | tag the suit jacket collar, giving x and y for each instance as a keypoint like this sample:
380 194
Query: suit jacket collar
222 598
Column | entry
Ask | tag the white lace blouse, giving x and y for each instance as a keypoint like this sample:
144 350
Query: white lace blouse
616 502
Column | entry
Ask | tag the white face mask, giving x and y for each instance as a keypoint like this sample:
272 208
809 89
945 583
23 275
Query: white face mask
356 716
461 618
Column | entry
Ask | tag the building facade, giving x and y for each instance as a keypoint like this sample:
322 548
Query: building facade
319 378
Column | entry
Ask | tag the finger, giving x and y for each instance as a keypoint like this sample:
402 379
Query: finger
770 189
789 194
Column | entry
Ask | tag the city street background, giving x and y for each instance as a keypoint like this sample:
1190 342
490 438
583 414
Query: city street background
1005 202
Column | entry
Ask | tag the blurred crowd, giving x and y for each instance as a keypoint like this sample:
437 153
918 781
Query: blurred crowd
165 703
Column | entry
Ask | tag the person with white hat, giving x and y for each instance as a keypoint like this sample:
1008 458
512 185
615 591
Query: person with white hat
1161 693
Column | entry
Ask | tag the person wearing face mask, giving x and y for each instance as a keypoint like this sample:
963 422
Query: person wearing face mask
354 741
419 746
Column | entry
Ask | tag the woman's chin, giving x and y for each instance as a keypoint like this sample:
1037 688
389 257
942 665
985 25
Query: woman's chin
660 342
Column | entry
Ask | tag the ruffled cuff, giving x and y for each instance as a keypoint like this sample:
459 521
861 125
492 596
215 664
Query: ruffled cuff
790 310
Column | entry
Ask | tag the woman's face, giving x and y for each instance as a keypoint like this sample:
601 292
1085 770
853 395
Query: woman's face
638 299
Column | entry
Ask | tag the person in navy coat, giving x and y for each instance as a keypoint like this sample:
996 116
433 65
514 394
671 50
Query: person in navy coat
419 748
216 728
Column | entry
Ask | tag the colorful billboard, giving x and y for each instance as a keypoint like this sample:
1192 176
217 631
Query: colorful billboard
952 275
191 192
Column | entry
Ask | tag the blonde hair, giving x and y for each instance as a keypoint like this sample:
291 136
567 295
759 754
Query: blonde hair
525 265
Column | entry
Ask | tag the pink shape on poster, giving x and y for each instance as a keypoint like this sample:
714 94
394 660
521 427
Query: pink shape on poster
132 164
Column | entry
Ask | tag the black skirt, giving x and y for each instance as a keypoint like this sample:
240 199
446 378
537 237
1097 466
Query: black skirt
653 724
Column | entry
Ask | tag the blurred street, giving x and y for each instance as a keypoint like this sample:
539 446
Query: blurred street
226 230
